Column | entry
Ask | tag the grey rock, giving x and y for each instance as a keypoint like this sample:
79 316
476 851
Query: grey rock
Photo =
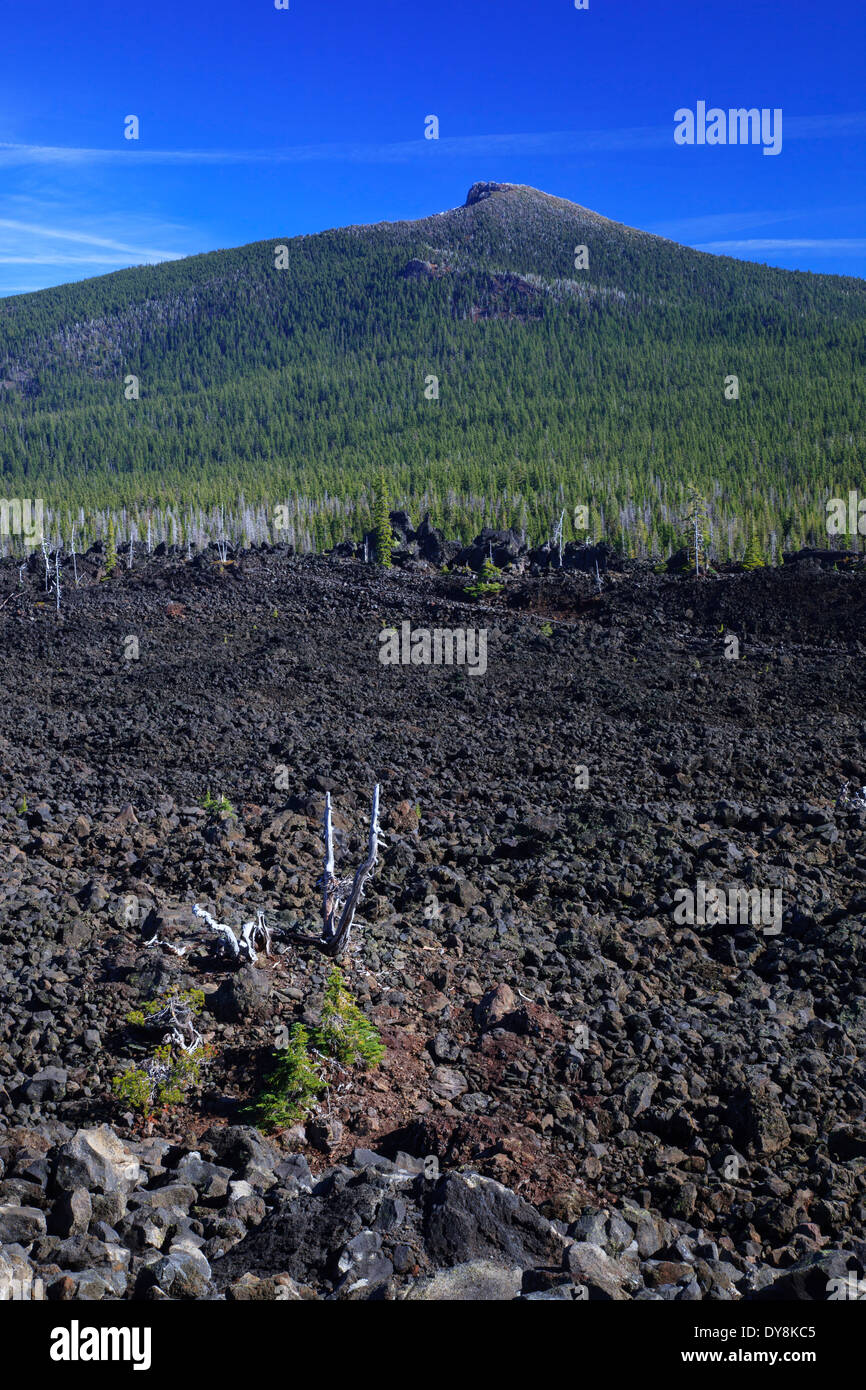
589 1265
447 1083
98 1160
21 1225
362 1264
19 1278
813 1279
474 1281
365 1158
48 1084
473 1217
243 996
182 1274
72 1212
495 1006
619 1234
638 1093
174 1196
592 1227
211 1180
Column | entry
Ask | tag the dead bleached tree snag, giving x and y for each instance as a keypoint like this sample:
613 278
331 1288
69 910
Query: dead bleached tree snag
847 800
557 540
340 897
255 936
345 893
179 1020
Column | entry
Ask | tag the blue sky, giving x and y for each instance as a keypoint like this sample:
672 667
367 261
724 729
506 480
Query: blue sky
257 122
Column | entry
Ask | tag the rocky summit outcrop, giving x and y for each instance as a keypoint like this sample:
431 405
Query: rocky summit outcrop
587 1083
479 191
416 269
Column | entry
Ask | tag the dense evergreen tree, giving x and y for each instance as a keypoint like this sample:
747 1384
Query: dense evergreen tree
382 525
110 548
753 558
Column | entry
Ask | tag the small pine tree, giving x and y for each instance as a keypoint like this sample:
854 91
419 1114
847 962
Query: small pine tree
382 524
344 1033
292 1088
488 581
110 548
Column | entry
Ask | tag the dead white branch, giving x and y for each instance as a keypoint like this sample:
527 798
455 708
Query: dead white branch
228 940
177 1016
557 539
340 899
335 934
848 800
175 950
255 936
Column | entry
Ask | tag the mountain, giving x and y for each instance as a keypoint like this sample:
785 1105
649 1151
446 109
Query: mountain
557 386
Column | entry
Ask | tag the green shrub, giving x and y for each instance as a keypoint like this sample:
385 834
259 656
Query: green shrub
168 1074
136 1088
217 806
110 548
753 558
163 1081
344 1037
183 1072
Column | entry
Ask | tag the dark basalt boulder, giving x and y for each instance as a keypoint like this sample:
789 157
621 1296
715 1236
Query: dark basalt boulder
504 547
242 996
401 526
577 556
827 559
433 545
678 562
473 1217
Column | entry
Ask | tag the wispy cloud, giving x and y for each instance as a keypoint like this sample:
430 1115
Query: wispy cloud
825 127
717 223
53 233
395 152
830 246
58 258
557 142
59 240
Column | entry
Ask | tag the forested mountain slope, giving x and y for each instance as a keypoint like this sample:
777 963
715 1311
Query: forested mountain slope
557 386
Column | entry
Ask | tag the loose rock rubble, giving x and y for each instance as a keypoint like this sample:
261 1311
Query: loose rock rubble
143 1220
605 1099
